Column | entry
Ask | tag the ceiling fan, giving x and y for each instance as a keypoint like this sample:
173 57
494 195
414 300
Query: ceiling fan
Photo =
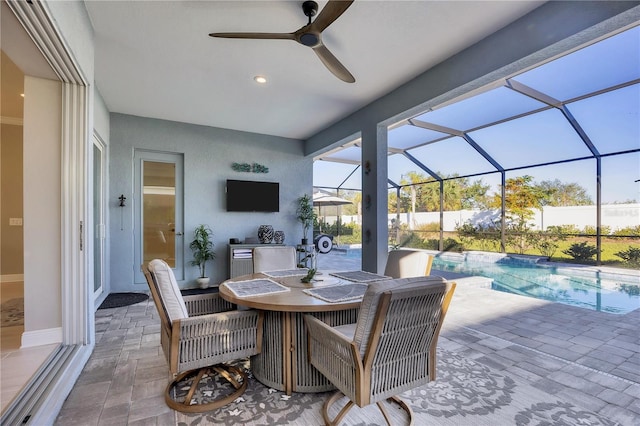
310 34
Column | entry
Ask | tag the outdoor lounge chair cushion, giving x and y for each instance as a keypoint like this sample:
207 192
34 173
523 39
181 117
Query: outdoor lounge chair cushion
168 289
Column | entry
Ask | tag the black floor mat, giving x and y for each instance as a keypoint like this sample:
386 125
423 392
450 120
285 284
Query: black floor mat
118 300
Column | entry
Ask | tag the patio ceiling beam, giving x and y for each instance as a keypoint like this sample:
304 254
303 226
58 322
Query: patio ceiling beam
435 127
463 135
340 160
559 105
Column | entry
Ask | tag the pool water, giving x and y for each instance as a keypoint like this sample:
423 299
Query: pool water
617 294
605 292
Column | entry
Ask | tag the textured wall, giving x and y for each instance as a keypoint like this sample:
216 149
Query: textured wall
208 154
11 248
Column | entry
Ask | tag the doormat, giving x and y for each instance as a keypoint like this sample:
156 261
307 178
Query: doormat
12 312
118 300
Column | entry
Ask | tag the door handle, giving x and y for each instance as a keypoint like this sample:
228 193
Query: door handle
178 234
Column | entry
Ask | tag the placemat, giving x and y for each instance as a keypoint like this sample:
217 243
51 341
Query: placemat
287 273
360 276
257 287
338 293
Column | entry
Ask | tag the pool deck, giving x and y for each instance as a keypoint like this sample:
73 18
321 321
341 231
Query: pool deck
586 357
583 359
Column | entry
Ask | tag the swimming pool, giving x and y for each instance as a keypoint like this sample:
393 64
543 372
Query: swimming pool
606 292
586 287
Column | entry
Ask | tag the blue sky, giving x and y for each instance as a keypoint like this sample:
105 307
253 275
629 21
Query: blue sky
611 120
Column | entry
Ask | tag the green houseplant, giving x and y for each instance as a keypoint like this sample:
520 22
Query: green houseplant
202 248
306 215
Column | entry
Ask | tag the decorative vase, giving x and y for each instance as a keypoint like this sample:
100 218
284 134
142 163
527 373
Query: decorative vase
203 282
265 234
278 237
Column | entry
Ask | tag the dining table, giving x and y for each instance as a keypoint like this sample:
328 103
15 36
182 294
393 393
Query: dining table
285 299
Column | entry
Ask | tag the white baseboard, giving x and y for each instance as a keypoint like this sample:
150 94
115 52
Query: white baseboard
41 337
11 278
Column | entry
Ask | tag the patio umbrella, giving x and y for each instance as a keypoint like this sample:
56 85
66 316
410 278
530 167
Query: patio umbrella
320 200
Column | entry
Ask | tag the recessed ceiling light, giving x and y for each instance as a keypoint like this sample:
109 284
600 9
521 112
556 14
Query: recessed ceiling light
260 79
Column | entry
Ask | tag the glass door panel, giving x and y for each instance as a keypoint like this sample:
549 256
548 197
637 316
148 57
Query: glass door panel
98 219
158 212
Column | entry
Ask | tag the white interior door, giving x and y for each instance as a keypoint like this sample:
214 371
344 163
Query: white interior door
158 211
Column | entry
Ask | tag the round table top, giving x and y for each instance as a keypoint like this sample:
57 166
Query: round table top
295 300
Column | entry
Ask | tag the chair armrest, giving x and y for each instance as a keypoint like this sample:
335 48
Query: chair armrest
208 303
334 355
215 338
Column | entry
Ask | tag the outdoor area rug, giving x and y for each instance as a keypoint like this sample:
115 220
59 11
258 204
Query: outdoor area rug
465 393
118 300
12 312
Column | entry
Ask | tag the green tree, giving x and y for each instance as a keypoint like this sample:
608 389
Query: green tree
423 194
521 197
559 194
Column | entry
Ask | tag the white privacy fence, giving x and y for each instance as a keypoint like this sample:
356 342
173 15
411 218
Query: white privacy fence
614 216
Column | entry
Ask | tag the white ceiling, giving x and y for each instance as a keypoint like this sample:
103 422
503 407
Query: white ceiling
155 58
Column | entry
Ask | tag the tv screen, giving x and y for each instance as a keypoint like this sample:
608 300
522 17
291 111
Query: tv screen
252 196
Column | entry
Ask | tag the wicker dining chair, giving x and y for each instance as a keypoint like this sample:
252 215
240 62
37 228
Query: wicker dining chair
199 334
274 258
389 350
405 263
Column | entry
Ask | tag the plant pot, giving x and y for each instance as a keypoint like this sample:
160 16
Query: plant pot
203 282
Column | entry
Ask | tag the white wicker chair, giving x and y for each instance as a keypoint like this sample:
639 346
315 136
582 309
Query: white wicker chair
391 348
274 258
198 334
408 263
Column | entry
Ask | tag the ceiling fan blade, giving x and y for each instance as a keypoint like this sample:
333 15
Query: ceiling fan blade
332 11
333 64
265 36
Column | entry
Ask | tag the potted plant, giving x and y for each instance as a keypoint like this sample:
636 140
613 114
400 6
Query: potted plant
306 215
202 248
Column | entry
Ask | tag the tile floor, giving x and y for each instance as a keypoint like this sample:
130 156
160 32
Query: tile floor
17 365
590 359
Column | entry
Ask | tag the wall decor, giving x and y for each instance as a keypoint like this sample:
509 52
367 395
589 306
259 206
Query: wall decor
249 168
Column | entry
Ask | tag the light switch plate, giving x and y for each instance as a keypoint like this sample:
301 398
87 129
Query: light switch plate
15 221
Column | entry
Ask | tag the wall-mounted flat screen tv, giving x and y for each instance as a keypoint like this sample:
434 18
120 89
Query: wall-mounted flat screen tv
252 196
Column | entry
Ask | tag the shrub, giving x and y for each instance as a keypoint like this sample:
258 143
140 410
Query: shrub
452 245
547 241
591 230
429 227
633 231
566 229
431 244
581 251
631 255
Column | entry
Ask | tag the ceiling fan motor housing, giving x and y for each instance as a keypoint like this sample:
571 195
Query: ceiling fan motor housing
310 8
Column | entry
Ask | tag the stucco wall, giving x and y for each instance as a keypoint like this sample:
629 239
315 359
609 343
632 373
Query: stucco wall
42 204
208 154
